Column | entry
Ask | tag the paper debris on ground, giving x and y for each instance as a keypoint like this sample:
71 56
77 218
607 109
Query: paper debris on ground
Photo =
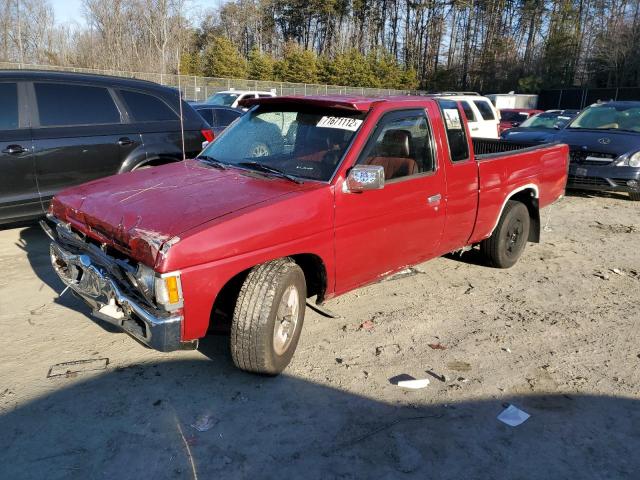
513 416
414 384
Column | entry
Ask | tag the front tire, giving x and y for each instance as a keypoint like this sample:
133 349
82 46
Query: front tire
505 245
634 196
268 317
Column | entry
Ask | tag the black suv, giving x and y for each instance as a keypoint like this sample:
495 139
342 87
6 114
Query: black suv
60 129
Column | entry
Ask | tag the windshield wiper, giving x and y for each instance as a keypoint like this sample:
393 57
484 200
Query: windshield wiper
269 169
213 162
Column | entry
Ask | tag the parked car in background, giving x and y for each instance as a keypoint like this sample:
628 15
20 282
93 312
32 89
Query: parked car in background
482 116
218 117
61 129
540 128
605 148
512 117
232 98
361 188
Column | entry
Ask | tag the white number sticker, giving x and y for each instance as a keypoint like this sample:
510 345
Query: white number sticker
452 117
343 123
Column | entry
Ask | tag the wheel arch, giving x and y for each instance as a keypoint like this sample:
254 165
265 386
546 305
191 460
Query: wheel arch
528 195
315 273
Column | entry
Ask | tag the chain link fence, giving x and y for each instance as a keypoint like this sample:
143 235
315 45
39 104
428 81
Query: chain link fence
579 98
196 88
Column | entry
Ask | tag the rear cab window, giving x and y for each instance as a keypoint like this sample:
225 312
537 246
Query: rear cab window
456 134
72 104
144 107
485 109
9 117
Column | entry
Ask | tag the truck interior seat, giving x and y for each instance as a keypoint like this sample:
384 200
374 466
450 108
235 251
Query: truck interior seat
394 155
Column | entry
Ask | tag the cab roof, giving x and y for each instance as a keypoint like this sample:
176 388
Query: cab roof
346 102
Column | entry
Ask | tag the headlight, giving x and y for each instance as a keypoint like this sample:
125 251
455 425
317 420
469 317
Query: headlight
145 280
629 160
168 290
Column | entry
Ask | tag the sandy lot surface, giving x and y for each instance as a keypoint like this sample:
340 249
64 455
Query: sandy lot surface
557 336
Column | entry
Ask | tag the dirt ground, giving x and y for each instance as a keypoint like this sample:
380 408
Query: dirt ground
557 336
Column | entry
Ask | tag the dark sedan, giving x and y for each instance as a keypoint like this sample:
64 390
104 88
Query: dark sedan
605 148
540 128
217 116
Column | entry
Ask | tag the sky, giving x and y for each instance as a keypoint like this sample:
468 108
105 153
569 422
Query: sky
71 10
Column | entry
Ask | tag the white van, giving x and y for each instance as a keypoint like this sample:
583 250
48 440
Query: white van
482 116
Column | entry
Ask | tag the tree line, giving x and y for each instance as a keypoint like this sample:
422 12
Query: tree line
489 45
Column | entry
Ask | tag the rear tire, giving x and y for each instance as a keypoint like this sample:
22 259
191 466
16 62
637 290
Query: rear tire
268 317
634 196
505 245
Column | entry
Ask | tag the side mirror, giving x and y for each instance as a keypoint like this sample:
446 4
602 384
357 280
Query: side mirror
515 124
365 177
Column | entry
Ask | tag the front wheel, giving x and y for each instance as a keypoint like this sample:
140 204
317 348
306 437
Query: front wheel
634 196
505 245
268 317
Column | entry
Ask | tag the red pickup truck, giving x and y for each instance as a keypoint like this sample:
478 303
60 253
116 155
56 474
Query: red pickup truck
299 198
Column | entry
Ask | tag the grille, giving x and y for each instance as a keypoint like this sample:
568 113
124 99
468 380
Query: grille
581 158
574 180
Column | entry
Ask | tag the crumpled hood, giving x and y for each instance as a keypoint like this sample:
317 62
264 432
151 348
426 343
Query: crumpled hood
605 141
140 212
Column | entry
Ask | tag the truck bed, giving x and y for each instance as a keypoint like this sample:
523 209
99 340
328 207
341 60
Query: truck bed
489 147
538 170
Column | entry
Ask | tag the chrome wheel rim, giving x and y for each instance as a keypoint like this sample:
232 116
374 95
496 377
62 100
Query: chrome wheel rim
286 320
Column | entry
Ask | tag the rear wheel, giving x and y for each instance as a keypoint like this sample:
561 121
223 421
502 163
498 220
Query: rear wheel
505 245
634 196
268 317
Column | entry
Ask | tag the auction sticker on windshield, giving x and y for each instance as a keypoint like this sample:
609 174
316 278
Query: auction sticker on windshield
343 123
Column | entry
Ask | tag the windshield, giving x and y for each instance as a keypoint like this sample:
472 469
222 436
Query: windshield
302 143
546 120
609 117
221 98
510 116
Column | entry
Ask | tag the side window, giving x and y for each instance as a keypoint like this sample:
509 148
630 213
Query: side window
207 114
9 102
485 109
468 111
456 136
225 117
264 95
66 104
147 108
401 144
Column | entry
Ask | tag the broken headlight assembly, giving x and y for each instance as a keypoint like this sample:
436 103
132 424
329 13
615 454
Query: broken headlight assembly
629 160
165 289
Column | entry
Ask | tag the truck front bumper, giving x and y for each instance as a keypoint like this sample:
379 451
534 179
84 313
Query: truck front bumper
90 280
604 178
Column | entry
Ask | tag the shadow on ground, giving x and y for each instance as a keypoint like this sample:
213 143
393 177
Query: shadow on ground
595 194
136 423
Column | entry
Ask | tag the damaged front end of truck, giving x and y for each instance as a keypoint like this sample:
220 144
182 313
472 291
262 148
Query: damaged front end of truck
125 293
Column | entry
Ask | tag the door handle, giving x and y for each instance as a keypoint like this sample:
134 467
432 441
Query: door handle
14 149
434 199
124 141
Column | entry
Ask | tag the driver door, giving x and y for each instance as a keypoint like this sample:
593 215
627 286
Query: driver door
380 231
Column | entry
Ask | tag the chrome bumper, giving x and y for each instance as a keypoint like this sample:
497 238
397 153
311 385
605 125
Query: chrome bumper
87 278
